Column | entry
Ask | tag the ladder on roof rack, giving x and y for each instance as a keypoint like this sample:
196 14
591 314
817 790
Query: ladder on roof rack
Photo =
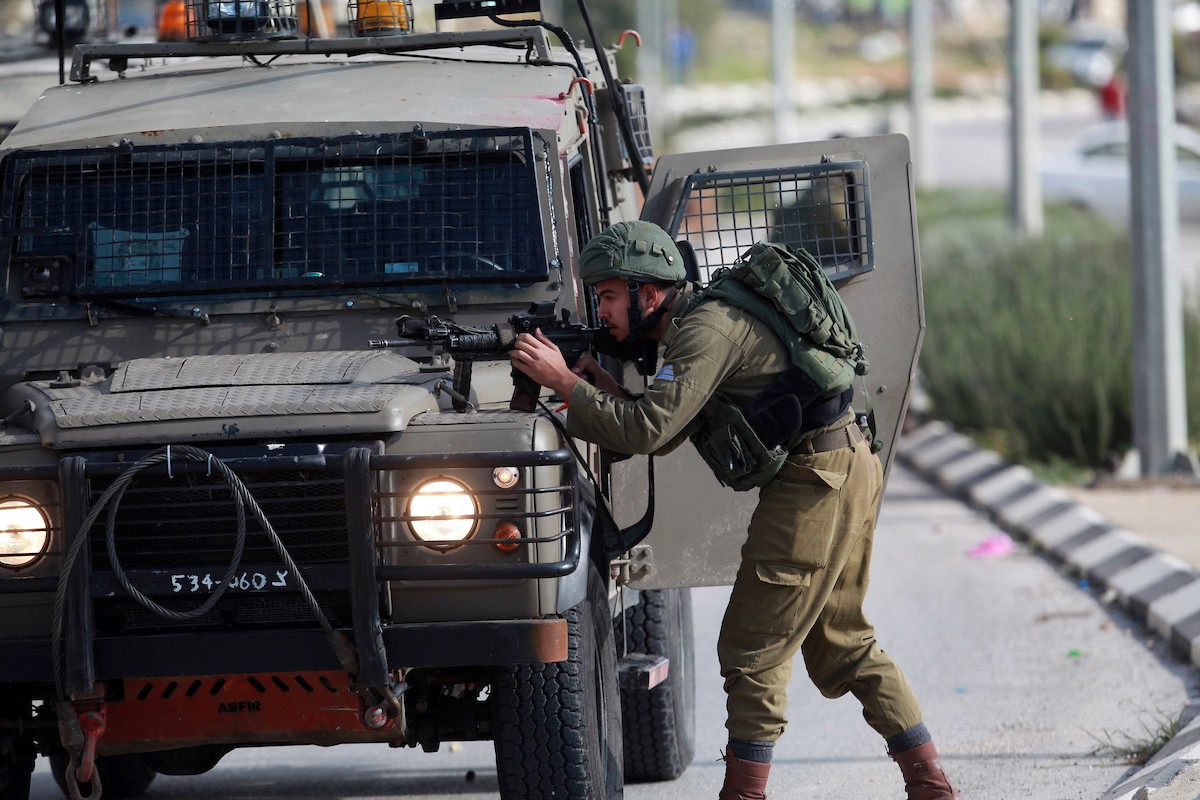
118 55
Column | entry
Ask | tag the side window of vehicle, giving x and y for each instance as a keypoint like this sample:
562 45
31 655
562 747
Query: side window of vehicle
581 215
581 209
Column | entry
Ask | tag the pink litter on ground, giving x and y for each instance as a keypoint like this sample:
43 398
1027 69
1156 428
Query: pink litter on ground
999 545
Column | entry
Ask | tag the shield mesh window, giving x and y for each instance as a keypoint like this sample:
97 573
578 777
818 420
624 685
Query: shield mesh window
290 213
824 209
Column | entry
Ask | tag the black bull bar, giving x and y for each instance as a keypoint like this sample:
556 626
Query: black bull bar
89 656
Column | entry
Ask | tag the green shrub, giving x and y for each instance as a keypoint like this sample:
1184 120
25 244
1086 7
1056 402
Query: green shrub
1029 340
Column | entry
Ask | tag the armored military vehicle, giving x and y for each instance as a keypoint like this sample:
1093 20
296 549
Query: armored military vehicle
227 520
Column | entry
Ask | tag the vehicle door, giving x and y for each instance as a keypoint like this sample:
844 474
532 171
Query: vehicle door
850 203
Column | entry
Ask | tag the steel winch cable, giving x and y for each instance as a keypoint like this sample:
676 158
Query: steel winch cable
622 539
242 498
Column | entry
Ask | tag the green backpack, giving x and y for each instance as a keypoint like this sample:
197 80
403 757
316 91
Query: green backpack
787 289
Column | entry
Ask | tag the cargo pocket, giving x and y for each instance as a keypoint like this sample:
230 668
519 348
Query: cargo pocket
802 475
774 598
797 516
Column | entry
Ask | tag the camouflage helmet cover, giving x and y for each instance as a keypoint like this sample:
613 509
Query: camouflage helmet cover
634 250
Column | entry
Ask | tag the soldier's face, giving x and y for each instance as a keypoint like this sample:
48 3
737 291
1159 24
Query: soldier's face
613 297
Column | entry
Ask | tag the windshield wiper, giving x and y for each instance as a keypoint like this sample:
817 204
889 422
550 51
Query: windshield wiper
195 313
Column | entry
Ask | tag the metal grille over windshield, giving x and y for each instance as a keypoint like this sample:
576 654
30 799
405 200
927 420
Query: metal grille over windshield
410 208
824 209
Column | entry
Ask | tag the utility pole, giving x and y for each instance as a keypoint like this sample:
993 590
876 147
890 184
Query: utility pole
669 23
920 98
1025 193
783 65
1159 398
649 63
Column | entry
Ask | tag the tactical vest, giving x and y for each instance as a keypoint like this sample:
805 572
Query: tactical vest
789 291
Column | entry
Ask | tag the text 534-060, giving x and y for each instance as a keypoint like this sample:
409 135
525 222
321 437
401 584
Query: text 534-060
246 582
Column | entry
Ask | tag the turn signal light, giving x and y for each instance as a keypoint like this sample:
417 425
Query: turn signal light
506 531
380 17
172 21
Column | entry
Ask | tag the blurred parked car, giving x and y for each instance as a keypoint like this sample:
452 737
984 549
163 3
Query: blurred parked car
1090 53
1094 173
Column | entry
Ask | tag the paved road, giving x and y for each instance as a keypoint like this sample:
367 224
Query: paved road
1022 673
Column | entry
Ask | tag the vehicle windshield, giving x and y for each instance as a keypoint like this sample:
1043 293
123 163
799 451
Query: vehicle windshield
362 211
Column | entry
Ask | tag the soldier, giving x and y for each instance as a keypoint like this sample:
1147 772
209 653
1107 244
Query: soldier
805 563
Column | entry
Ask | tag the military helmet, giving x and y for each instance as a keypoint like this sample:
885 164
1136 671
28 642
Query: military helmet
636 250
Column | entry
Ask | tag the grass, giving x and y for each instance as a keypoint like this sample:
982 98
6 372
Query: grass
1140 747
1055 470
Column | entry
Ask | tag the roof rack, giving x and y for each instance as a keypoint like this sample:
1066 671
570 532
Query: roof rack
118 55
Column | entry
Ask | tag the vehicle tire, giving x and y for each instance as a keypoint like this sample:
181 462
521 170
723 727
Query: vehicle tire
659 723
16 768
121 777
557 727
17 752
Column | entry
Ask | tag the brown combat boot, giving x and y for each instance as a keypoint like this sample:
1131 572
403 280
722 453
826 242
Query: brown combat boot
744 780
923 775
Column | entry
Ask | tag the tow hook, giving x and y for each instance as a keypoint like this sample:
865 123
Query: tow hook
84 723
93 724
377 716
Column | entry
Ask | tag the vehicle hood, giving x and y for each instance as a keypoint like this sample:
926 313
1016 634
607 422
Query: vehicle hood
230 397
298 99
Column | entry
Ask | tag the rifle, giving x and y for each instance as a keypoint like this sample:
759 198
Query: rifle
494 341
573 339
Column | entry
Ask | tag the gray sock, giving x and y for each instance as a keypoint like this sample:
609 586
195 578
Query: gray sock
752 751
915 736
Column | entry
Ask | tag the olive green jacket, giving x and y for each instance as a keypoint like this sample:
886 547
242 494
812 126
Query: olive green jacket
715 350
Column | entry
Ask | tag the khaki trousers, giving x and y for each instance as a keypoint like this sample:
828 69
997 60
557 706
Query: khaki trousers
804 574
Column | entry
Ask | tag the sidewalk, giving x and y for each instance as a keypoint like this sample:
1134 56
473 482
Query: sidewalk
1137 543
1165 515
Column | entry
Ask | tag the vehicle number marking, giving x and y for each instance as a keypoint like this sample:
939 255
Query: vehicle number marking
246 582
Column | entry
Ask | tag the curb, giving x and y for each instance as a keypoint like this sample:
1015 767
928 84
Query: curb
1173 773
1156 588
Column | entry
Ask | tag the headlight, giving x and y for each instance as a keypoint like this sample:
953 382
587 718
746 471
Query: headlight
24 532
442 512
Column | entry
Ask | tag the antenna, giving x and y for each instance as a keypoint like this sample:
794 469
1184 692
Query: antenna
60 13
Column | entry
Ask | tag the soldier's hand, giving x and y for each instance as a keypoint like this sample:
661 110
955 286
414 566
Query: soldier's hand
540 359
